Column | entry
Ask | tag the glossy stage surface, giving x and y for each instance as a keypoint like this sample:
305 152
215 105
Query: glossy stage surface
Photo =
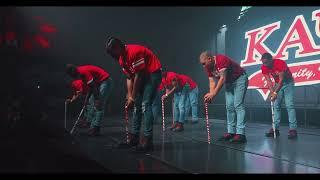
190 152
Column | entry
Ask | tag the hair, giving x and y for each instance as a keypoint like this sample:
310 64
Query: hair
71 70
112 42
266 56
206 53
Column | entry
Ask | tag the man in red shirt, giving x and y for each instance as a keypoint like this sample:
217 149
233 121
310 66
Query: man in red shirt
180 85
79 88
143 70
283 87
99 86
192 99
228 72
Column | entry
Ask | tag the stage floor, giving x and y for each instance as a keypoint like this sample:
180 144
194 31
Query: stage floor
190 152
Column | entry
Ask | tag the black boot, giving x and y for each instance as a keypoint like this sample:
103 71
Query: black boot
94 131
84 123
174 125
270 133
178 128
145 146
292 134
133 140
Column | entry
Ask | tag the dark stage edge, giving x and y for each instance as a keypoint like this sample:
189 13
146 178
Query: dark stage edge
42 155
189 151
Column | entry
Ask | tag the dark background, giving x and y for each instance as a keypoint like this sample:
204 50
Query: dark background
177 35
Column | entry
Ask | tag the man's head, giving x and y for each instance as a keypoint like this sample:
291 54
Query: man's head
115 47
267 60
207 60
72 71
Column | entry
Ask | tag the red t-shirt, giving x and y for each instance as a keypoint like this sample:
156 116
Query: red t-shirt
89 73
138 58
170 77
78 85
234 70
182 80
160 88
278 66
188 80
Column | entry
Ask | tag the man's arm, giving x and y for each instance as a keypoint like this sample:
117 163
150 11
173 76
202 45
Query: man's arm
280 83
209 96
139 69
89 80
93 89
221 81
214 89
269 82
129 87
75 96
212 84
175 86
168 92
136 84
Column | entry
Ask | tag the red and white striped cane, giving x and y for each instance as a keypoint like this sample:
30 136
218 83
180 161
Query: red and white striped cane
163 126
126 123
272 113
207 121
273 124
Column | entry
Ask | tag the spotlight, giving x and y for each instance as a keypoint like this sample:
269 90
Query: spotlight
244 9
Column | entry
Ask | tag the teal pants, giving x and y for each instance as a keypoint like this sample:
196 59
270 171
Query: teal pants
143 104
92 114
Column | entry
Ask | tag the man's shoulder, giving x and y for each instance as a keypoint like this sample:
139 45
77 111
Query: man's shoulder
135 51
86 66
221 58
135 47
279 61
264 68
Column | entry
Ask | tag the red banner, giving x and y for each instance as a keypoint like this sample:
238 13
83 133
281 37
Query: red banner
304 73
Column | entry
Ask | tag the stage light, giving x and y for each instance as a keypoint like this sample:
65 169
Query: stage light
244 9
36 33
